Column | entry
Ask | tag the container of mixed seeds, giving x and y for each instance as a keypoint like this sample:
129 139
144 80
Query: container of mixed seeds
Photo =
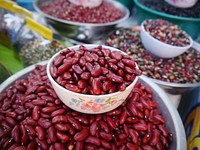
34 43
187 18
176 75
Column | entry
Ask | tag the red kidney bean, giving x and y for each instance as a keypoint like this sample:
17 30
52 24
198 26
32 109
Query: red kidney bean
30 121
32 145
45 123
123 117
104 126
116 55
61 127
134 135
58 112
79 145
96 70
106 85
59 146
114 78
60 119
48 109
46 116
10 114
59 60
42 144
106 136
16 134
131 146
114 112
77 69
64 67
122 147
73 88
30 130
54 71
82 120
40 132
93 140
94 128
39 102
96 86
24 135
82 135
10 121
13 146
62 136
74 123
85 76
72 130
146 137
66 76
21 148
105 144
82 84
52 134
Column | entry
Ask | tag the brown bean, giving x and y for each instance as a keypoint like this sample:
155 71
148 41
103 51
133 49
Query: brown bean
82 135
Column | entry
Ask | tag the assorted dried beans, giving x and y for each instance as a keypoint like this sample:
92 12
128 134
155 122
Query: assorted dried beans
32 117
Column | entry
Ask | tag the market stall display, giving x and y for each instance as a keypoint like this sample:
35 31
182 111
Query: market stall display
87 27
176 75
48 129
164 39
187 19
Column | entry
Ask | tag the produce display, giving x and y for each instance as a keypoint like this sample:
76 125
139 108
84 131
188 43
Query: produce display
94 71
162 6
166 32
65 10
182 69
32 117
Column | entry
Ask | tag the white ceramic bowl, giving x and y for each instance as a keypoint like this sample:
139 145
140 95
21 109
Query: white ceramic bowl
161 49
90 104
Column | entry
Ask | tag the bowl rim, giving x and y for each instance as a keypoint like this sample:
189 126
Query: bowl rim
49 64
116 3
183 48
165 14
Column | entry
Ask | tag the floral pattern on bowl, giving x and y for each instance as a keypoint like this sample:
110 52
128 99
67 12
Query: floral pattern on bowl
96 105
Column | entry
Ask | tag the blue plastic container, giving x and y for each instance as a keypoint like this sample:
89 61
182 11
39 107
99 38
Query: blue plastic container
28 4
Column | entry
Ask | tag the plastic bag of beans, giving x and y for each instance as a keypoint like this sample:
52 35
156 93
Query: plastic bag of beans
35 43
189 110
11 20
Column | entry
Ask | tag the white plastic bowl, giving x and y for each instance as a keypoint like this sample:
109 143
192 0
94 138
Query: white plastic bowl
90 104
161 49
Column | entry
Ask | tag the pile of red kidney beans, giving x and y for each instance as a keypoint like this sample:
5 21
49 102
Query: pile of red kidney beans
33 117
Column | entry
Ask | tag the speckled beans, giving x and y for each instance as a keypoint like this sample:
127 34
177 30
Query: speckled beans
137 124
182 69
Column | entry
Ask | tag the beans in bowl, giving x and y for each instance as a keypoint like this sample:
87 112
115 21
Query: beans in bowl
94 71
166 32
33 117
65 10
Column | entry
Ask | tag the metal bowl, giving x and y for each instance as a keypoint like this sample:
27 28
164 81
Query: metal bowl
173 120
86 32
